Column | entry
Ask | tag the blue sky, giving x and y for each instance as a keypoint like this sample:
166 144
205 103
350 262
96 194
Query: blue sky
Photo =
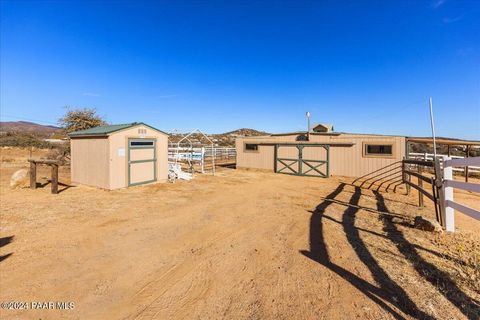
365 66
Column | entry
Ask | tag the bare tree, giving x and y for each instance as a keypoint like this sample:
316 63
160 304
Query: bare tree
80 119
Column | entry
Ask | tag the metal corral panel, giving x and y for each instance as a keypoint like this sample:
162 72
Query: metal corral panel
89 161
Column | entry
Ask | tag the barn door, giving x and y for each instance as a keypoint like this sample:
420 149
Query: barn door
302 159
142 161
287 160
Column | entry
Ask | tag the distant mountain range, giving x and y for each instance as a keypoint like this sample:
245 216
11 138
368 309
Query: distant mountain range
223 139
246 132
28 127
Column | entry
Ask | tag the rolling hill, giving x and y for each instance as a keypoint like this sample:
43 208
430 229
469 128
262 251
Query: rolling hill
28 127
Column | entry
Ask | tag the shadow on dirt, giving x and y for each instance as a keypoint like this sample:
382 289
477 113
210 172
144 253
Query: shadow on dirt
228 165
386 292
60 184
439 279
388 177
3 242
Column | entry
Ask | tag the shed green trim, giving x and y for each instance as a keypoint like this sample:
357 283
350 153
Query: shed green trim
107 130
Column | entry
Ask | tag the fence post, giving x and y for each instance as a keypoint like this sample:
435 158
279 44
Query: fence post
449 217
202 163
408 178
54 178
466 168
420 185
213 159
435 199
33 175
440 190
404 176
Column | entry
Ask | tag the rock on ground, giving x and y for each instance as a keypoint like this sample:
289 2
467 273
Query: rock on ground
19 178
427 224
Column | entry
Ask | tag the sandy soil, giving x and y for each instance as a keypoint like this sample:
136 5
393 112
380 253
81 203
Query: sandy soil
240 245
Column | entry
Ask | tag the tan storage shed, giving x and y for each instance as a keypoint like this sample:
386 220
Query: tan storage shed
119 156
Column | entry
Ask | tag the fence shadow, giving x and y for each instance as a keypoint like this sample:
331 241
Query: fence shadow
386 177
3 242
387 290
439 279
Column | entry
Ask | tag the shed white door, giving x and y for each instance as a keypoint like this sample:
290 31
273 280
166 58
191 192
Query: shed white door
142 161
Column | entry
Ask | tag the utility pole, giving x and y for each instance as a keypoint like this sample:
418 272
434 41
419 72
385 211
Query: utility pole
433 130
308 125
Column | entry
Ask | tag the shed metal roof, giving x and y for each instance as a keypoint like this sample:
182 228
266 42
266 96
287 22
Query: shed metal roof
106 130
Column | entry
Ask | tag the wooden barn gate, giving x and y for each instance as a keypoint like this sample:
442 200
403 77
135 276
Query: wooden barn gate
302 159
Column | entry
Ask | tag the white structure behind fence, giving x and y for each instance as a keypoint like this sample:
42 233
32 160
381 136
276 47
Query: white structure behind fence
446 186
197 153
201 155
429 156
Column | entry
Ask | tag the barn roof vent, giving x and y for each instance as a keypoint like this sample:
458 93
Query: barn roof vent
323 127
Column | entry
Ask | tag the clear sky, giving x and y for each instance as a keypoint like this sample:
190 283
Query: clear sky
365 66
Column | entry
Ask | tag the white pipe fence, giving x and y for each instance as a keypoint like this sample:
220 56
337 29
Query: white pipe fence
197 154
429 156
446 186
221 152
201 155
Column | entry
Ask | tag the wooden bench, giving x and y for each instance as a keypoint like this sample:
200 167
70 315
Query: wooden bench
33 173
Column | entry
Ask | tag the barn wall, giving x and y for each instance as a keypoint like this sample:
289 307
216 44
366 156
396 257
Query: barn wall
89 161
351 162
263 159
118 163
344 160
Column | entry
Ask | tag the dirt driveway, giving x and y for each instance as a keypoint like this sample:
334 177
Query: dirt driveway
240 245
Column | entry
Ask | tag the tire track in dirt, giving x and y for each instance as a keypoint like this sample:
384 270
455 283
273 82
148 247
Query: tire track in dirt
190 270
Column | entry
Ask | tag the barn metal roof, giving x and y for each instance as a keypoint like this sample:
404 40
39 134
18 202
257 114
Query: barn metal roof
106 130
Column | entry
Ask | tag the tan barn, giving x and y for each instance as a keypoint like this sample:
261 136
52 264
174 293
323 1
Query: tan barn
320 154
119 156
